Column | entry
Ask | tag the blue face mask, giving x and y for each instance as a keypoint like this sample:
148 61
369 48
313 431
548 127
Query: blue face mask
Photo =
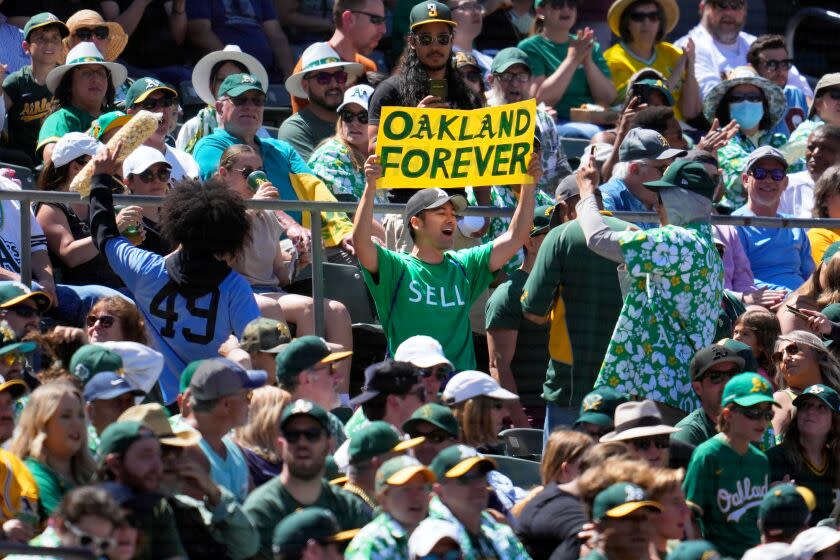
747 113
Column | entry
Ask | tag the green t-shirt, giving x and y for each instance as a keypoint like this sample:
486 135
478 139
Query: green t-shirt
588 284
51 487
695 428
821 484
546 56
304 131
161 533
729 487
30 105
504 311
271 502
415 297
66 119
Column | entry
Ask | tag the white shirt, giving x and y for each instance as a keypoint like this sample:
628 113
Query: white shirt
183 164
714 59
10 243
798 198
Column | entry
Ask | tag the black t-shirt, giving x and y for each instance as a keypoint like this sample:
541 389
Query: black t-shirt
62 9
549 524
151 45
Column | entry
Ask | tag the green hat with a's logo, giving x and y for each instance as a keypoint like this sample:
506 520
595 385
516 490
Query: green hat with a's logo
310 523
458 460
430 12
265 335
748 389
437 415
119 436
237 84
43 20
598 406
399 470
506 58
303 407
143 88
826 394
621 499
544 220
91 359
107 122
743 351
377 438
689 175
303 353
694 550
12 293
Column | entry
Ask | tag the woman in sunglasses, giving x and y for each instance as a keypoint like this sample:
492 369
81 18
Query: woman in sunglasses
478 403
641 26
825 109
639 425
810 450
147 173
115 319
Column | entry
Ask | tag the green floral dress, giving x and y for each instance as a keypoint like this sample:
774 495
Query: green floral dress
670 312
332 163
383 538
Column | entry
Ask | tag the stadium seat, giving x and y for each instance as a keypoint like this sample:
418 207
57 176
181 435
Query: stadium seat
523 473
522 442
278 105
189 100
344 283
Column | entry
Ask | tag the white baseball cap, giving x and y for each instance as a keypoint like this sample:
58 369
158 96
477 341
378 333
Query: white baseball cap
421 351
471 383
427 534
360 95
814 540
771 551
73 145
142 158
142 365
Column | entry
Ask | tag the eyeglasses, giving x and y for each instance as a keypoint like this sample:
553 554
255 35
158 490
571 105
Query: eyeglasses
100 545
834 94
324 78
639 17
751 97
761 174
448 555
644 443
246 171
101 32
374 18
105 321
440 373
718 377
776 64
468 7
791 350
163 102
424 39
256 101
755 413
311 435
13 358
347 116
473 76
727 4
148 176
434 437
520 77
24 311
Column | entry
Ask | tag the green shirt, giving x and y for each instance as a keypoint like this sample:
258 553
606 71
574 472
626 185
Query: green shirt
588 284
271 502
383 538
415 297
729 487
546 56
304 130
670 312
66 119
51 487
821 484
161 533
504 311
30 105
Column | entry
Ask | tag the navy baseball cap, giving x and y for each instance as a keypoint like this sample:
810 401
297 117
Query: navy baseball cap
107 385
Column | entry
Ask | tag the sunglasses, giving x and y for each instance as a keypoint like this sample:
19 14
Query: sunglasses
834 94
776 174
348 116
85 33
246 171
256 101
448 555
435 437
162 175
639 17
311 435
520 77
374 18
755 413
440 373
24 311
105 321
473 75
13 358
424 39
644 443
751 97
776 64
718 377
727 5
100 545
162 102
324 78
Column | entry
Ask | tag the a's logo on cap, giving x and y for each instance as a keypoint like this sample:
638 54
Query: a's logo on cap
440 193
427 411
151 84
50 17
684 182
284 330
759 385
432 9
719 353
246 79
301 406
815 390
592 402
663 141
358 92
633 494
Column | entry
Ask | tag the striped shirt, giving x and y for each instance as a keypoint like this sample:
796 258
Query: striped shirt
11 49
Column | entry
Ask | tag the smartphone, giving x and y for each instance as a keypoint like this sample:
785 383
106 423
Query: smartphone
439 88
797 312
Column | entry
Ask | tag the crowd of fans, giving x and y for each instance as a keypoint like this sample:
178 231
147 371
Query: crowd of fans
673 387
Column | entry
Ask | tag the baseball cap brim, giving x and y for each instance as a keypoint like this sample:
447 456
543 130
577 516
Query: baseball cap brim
411 423
629 507
142 97
671 153
118 391
403 476
363 398
800 398
752 400
62 28
596 418
336 356
458 202
236 91
343 536
182 438
467 465
408 444
256 378
434 20
25 347
15 387
41 299
774 157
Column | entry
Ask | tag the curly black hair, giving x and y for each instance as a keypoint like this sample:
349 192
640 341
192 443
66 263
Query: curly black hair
206 218
414 82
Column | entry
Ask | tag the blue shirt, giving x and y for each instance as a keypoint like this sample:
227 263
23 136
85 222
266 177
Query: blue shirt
780 257
238 22
279 159
231 472
11 48
618 198
797 111
182 328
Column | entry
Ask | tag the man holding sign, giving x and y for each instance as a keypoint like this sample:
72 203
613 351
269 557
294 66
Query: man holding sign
430 290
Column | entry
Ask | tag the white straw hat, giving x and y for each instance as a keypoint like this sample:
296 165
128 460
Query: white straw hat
319 56
85 53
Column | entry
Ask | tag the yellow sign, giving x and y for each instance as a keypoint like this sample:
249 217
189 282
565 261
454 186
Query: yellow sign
449 148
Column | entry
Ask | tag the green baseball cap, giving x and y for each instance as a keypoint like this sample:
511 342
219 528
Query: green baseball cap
544 219
689 175
694 550
43 20
237 84
377 438
598 406
621 499
783 507
656 85
119 436
437 415
24 347
743 351
430 12
91 359
832 311
303 353
265 335
12 293
187 375
303 407
142 88
826 394
506 58
830 251
399 470
457 460
107 122
295 530
747 389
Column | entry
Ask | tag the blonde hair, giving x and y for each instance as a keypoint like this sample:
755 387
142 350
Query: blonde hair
263 428
232 154
31 438
665 480
600 477
563 446
476 421
829 366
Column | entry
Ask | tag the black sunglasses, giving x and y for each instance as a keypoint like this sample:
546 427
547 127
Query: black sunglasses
348 116
85 33
834 94
639 17
434 437
162 175
324 78
311 435
162 102
756 413
440 373
256 101
520 77
718 377
644 443
776 174
776 64
727 5
473 76
425 39
374 18
24 311
105 321
246 171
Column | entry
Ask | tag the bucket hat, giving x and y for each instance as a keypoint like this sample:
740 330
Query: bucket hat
201 72
775 96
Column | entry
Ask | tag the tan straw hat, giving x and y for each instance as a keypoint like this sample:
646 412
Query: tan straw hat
669 7
117 36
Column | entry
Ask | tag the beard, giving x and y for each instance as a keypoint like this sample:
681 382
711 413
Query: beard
310 471
322 101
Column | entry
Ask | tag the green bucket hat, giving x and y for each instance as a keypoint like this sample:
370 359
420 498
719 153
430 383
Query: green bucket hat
143 88
119 436
437 415
508 57
91 359
826 394
598 406
237 84
430 12
621 499
688 175
43 20
377 438
265 335
457 460
399 470
747 389
107 122
303 407
295 530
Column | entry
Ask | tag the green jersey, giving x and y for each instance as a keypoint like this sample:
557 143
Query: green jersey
729 487
821 481
30 106
66 119
51 487
383 538
271 502
415 297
